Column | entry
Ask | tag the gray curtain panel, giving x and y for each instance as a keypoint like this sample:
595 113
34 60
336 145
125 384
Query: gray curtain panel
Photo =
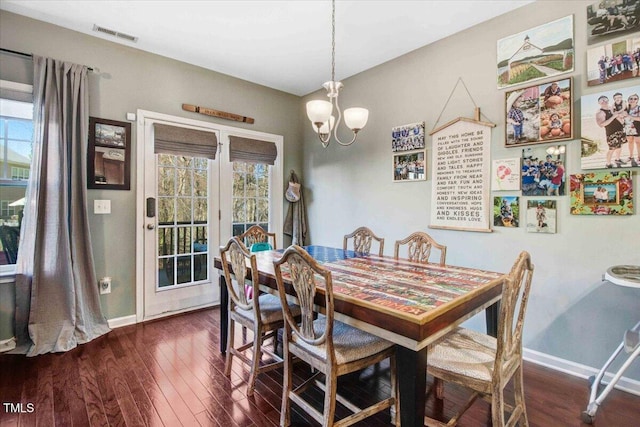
57 299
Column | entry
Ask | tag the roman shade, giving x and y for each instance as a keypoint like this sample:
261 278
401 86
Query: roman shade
252 150
182 141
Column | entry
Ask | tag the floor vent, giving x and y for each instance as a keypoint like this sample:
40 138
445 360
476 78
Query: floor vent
114 33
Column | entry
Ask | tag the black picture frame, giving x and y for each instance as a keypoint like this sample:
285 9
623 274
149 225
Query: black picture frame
109 155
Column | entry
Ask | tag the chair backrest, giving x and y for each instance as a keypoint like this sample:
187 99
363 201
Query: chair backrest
419 247
9 237
362 239
304 271
515 293
236 254
257 234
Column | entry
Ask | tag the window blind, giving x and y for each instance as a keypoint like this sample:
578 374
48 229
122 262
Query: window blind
181 141
252 150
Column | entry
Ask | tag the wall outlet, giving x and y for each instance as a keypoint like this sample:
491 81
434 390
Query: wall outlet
105 285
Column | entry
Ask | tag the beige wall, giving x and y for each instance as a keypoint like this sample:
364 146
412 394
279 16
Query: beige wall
128 80
571 315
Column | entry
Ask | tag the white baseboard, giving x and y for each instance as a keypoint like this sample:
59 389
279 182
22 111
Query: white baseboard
8 344
578 370
119 322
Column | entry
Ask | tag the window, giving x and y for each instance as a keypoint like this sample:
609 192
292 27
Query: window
250 202
16 143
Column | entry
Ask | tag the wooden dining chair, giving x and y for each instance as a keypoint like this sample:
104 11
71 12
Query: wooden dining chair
257 234
486 364
419 247
362 239
262 315
330 347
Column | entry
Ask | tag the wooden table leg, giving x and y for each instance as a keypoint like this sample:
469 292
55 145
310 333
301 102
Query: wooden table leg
224 314
412 383
491 316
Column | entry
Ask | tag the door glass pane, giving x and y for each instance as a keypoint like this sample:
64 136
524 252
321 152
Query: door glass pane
184 162
184 240
166 159
183 210
166 181
165 241
200 264
200 183
200 211
166 211
184 269
262 210
183 220
185 186
250 196
238 184
165 272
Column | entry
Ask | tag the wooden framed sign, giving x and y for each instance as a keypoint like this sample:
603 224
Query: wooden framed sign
461 175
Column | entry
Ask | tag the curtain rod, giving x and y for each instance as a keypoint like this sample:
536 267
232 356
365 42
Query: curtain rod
28 55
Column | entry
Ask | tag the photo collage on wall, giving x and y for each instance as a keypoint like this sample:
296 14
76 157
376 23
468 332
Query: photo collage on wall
541 115
536 116
409 155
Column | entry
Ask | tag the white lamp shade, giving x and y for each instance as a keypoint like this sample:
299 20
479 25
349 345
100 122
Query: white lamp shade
319 111
356 118
326 127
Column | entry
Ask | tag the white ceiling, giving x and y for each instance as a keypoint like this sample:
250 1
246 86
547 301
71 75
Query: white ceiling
285 45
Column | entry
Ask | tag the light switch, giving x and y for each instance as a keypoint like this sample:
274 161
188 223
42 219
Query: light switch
102 206
131 117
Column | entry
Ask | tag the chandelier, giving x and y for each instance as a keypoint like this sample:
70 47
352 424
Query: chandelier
320 112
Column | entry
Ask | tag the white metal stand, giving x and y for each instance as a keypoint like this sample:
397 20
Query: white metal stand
622 275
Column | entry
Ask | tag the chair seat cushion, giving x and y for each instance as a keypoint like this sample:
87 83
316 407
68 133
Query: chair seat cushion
464 352
270 309
349 343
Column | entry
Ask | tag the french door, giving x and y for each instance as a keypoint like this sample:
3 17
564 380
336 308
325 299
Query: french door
188 206
181 223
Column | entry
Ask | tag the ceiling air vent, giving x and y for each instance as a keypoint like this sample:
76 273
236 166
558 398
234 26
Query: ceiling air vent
114 33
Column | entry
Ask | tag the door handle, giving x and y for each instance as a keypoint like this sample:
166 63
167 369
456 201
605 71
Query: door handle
151 207
150 226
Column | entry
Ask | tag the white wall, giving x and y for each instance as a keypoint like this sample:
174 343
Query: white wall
572 314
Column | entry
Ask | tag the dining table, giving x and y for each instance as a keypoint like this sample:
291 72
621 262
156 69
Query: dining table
409 303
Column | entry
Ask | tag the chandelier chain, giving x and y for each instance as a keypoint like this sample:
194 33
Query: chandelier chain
333 41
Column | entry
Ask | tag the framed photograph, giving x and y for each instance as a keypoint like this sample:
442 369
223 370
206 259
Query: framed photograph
611 19
109 154
610 131
544 171
506 211
613 62
541 216
506 175
602 193
539 114
409 167
407 137
537 53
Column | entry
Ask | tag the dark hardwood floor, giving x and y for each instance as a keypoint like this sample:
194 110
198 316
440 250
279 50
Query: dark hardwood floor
170 373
